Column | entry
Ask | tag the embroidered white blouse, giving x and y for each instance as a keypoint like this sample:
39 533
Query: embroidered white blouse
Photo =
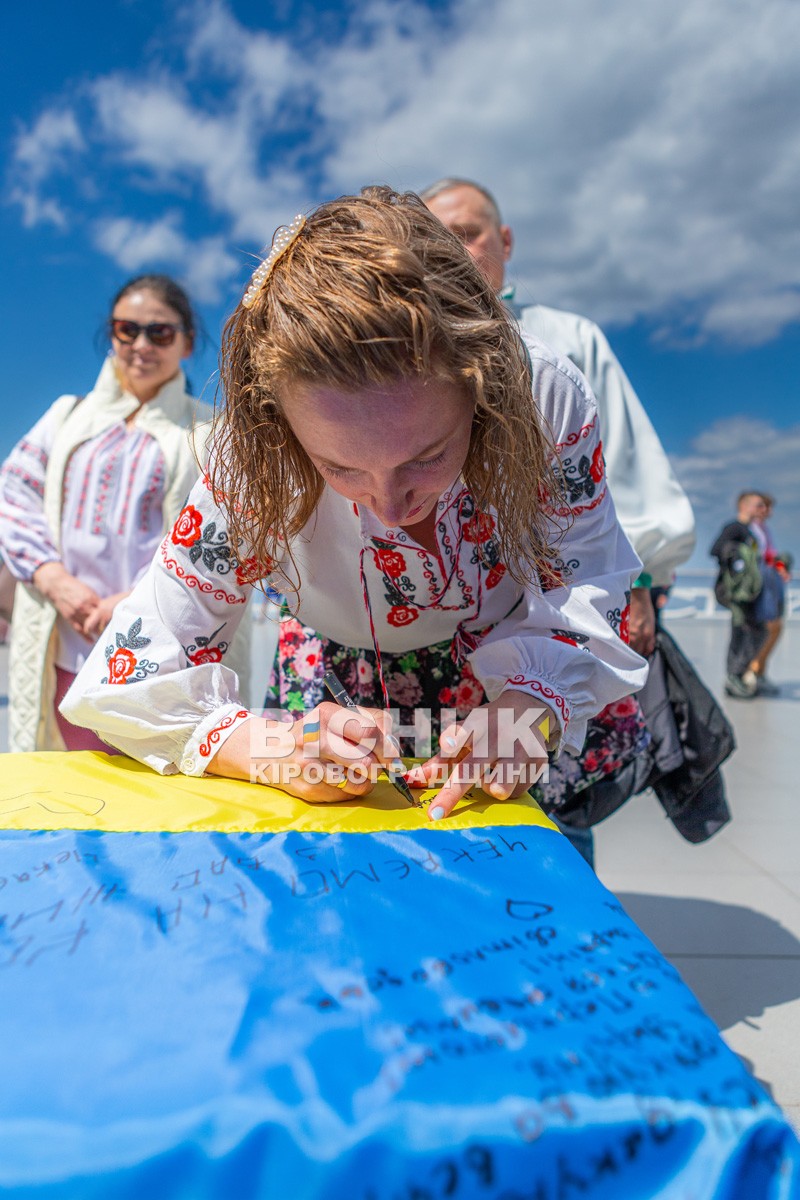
652 506
112 519
157 687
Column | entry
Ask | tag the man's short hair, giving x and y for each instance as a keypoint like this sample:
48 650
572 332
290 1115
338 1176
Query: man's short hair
454 181
750 492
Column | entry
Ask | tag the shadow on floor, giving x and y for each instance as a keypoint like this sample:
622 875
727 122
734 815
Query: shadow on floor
738 962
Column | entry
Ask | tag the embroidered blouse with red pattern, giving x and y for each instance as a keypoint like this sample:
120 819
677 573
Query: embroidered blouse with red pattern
362 584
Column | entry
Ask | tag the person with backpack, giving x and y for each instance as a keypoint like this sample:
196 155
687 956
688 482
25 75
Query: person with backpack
738 588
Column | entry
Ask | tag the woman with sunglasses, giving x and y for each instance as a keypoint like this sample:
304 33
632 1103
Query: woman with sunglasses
85 498
381 459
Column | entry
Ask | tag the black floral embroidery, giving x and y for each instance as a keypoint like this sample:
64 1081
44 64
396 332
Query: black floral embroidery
618 618
398 587
131 640
214 549
486 554
579 478
556 572
569 635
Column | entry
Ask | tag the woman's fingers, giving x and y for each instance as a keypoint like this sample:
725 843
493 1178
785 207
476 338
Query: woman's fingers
504 779
453 745
327 756
464 775
342 735
504 755
336 753
299 758
380 733
508 778
319 782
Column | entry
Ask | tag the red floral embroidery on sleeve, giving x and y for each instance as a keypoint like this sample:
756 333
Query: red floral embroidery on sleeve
121 665
598 466
187 529
125 666
624 623
252 570
207 654
495 574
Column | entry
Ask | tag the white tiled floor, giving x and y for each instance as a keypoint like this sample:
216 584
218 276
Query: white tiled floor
727 913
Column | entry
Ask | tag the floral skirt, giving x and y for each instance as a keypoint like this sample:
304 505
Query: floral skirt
430 679
427 678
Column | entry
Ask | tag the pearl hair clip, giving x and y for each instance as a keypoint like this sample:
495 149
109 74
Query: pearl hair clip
280 244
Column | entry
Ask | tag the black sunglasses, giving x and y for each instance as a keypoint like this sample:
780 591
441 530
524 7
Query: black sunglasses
158 333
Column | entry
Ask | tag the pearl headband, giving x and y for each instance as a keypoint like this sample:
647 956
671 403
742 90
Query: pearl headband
280 244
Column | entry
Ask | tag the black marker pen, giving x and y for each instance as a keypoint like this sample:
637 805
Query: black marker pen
343 697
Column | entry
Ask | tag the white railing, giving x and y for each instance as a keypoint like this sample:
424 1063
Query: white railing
694 602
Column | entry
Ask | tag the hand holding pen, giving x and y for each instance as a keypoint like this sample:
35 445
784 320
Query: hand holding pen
319 759
395 771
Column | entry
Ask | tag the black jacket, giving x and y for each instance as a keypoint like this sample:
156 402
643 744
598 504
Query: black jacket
690 739
732 535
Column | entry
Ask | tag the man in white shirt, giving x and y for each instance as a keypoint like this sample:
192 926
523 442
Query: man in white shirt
651 505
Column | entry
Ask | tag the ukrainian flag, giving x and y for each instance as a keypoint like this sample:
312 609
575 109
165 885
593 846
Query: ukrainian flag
209 989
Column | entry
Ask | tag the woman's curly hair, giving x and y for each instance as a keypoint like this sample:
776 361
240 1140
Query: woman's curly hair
374 290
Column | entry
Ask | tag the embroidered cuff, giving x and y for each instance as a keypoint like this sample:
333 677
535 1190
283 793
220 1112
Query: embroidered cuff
554 700
209 737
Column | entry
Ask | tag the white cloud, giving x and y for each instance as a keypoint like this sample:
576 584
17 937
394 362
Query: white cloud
36 209
156 128
261 66
54 134
757 318
132 244
138 245
47 146
648 156
731 456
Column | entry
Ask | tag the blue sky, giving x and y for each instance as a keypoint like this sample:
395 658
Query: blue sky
647 156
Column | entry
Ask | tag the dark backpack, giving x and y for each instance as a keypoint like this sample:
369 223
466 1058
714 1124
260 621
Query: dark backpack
739 580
